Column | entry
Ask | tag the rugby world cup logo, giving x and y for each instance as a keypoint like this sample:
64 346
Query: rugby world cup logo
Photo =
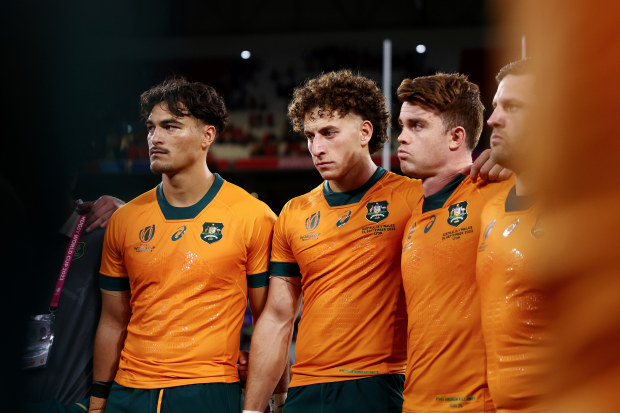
313 221
147 233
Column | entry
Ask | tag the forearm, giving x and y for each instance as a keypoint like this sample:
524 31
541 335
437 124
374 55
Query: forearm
107 352
268 359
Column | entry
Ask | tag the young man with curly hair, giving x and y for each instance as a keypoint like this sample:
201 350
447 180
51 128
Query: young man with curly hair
441 118
178 265
339 247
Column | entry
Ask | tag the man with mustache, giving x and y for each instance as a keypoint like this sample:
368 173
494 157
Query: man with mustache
441 119
178 265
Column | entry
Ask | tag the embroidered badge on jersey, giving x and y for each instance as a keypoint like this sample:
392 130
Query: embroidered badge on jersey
211 232
457 213
377 211
179 233
343 219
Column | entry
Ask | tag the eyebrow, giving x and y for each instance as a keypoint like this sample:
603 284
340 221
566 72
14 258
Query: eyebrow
168 121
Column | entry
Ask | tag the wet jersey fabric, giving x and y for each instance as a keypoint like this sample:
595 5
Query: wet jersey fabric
446 365
513 304
188 271
346 248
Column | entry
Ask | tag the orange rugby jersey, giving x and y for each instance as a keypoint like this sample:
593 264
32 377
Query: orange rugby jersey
446 366
346 247
188 270
514 321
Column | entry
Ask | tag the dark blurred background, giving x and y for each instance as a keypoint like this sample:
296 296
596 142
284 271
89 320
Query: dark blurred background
74 72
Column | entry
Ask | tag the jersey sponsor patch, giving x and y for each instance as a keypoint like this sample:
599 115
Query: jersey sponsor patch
179 233
377 211
510 228
430 224
343 219
457 213
211 232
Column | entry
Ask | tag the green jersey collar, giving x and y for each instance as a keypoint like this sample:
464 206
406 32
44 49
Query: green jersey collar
190 212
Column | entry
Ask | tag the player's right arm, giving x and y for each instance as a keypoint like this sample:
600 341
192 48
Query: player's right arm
271 340
114 317
111 332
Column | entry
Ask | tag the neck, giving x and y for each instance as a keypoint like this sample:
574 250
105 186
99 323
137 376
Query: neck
186 188
524 184
355 177
435 183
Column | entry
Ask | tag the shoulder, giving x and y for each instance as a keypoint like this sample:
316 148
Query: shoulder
304 202
136 206
242 202
395 180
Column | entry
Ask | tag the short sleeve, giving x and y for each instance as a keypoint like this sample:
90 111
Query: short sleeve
259 246
113 274
283 261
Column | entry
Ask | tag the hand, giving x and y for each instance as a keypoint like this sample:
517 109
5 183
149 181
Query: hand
242 365
488 170
98 213
97 405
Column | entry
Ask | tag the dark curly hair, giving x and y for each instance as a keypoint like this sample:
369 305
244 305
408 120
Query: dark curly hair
345 93
455 98
185 98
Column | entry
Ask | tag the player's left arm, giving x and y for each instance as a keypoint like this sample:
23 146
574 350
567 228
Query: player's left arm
486 169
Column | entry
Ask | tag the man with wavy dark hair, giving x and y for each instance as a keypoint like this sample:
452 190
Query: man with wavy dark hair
179 263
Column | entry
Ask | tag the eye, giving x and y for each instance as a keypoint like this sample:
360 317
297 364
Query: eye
330 133
150 129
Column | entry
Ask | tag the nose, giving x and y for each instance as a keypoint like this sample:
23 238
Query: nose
155 136
403 139
316 146
495 119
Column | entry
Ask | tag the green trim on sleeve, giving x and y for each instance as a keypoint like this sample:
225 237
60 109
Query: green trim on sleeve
113 283
258 280
285 269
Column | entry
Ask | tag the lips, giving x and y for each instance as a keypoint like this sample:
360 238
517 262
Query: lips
402 154
157 151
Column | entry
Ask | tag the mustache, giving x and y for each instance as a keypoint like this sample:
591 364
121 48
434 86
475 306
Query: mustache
157 148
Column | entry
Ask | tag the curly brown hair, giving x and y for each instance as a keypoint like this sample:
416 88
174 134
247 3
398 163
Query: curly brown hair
342 92
453 95
185 98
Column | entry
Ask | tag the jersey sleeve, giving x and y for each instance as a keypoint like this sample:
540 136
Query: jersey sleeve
112 273
283 263
259 246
